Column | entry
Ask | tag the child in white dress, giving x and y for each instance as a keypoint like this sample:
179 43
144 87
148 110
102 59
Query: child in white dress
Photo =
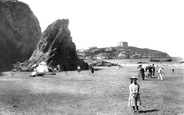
134 96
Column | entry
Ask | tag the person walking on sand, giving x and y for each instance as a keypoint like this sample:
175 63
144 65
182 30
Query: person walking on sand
153 70
90 68
65 70
160 73
150 71
118 67
78 69
134 97
146 70
141 72
172 69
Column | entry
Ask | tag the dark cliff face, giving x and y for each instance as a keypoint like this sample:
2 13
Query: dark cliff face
19 33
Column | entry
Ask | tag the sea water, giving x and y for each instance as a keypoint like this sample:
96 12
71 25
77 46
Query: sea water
176 61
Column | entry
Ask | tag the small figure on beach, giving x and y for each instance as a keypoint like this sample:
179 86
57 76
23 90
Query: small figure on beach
65 70
160 73
58 68
40 70
34 73
153 70
91 68
146 70
78 69
141 72
119 67
134 97
150 71
172 68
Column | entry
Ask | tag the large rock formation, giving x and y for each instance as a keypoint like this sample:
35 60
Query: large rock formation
56 48
19 33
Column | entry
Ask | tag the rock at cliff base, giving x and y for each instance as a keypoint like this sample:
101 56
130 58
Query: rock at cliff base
56 48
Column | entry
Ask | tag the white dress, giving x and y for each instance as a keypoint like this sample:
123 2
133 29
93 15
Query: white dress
134 101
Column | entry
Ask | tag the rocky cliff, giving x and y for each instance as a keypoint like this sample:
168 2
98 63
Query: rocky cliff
19 33
56 48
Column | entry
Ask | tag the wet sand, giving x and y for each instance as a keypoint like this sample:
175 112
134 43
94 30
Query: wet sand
103 93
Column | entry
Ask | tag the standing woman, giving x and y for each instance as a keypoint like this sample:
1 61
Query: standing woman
141 72
172 69
134 97
153 70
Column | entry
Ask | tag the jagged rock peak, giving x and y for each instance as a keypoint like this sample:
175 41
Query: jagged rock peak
56 48
52 33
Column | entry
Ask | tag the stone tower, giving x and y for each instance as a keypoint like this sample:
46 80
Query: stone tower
122 44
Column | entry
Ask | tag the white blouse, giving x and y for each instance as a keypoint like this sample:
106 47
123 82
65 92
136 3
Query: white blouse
134 88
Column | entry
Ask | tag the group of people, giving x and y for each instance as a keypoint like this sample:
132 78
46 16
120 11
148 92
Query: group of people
40 69
91 68
134 99
150 71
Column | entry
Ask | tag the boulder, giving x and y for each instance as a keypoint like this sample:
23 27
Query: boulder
56 48
19 33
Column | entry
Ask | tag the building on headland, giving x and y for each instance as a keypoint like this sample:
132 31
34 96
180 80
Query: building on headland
122 44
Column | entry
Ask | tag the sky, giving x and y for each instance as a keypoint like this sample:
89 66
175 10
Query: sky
153 24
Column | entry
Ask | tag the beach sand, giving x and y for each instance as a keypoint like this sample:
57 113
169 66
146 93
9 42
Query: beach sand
103 93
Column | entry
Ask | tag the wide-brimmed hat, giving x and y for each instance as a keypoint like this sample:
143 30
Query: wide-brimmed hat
133 78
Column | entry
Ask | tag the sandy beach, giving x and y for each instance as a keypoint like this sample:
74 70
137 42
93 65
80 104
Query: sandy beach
103 93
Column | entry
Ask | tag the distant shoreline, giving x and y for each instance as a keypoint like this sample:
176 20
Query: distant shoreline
134 62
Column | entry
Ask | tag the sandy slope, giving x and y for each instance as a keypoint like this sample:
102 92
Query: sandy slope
103 93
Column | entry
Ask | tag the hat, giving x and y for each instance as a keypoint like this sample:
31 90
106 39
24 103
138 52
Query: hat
133 78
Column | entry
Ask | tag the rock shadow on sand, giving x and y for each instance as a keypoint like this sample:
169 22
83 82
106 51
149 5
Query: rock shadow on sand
148 111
